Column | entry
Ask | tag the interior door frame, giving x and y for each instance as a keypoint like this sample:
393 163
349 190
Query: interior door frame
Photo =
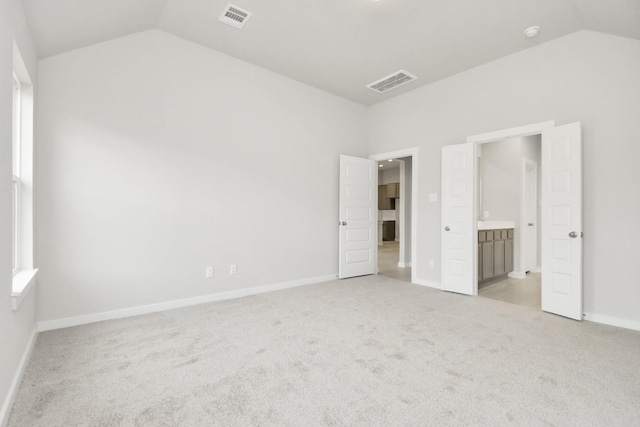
527 130
413 153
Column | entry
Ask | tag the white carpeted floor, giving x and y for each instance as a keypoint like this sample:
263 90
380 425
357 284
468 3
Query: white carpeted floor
369 351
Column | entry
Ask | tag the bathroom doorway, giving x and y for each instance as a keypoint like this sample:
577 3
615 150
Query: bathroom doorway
561 216
508 212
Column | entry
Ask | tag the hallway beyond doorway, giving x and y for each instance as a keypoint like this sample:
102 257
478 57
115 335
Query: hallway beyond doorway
388 255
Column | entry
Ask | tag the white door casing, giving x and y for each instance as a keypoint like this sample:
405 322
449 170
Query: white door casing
358 216
458 237
561 207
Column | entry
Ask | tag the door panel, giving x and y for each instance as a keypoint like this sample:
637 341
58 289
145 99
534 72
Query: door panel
457 233
358 216
562 221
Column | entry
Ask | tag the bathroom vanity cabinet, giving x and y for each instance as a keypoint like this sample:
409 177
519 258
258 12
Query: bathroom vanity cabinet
495 253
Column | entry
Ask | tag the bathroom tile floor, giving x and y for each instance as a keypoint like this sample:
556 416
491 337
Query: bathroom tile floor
516 291
525 292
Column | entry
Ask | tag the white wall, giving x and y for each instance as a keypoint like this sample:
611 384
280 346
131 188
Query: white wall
388 176
16 327
501 170
159 157
586 76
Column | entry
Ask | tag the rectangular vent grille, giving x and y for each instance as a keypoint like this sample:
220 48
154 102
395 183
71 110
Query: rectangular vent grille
391 82
235 16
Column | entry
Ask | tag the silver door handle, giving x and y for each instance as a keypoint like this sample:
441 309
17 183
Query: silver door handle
573 234
530 224
343 223
447 228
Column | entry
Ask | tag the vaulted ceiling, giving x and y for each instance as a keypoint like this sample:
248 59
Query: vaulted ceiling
338 45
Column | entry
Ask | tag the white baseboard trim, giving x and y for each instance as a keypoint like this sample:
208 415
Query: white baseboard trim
612 321
427 283
517 274
404 264
11 395
48 325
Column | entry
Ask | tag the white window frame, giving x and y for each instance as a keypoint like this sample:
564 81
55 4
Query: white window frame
22 155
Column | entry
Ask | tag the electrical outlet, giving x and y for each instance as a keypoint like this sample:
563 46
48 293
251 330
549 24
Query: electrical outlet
432 263
486 215
208 272
233 269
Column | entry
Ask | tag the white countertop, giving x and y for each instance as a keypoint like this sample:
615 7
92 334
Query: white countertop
494 225
387 215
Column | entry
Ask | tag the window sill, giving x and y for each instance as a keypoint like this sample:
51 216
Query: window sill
23 281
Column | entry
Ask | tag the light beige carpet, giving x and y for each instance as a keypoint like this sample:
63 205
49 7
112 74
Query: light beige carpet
369 351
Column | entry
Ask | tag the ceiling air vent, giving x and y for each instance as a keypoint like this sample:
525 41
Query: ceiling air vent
235 16
393 81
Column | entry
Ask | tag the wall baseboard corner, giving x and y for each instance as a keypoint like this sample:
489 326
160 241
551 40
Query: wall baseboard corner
427 283
612 321
48 325
17 378
517 274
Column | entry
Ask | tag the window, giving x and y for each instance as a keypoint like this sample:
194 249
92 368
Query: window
22 181
16 171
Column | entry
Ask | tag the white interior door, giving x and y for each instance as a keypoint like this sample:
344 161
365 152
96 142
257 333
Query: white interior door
358 216
459 272
531 215
561 200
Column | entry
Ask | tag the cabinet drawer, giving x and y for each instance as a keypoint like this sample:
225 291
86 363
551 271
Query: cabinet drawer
489 235
482 236
504 234
510 233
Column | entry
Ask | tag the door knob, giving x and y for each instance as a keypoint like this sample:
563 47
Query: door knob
573 234
343 223
447 228
530 224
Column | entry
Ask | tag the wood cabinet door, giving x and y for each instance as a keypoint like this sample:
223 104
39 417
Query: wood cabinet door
479 261
487 260
384 203
388 231
508 256
393 190
498 257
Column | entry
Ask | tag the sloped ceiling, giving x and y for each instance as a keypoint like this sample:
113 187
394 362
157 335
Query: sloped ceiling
338 45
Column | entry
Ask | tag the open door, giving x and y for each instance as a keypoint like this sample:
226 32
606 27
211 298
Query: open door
561 207
358 216
458 223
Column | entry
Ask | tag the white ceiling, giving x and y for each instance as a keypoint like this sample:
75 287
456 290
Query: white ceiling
338 45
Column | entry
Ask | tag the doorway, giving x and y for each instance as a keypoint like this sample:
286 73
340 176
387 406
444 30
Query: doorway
508 199
394 211
397 193
561 216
